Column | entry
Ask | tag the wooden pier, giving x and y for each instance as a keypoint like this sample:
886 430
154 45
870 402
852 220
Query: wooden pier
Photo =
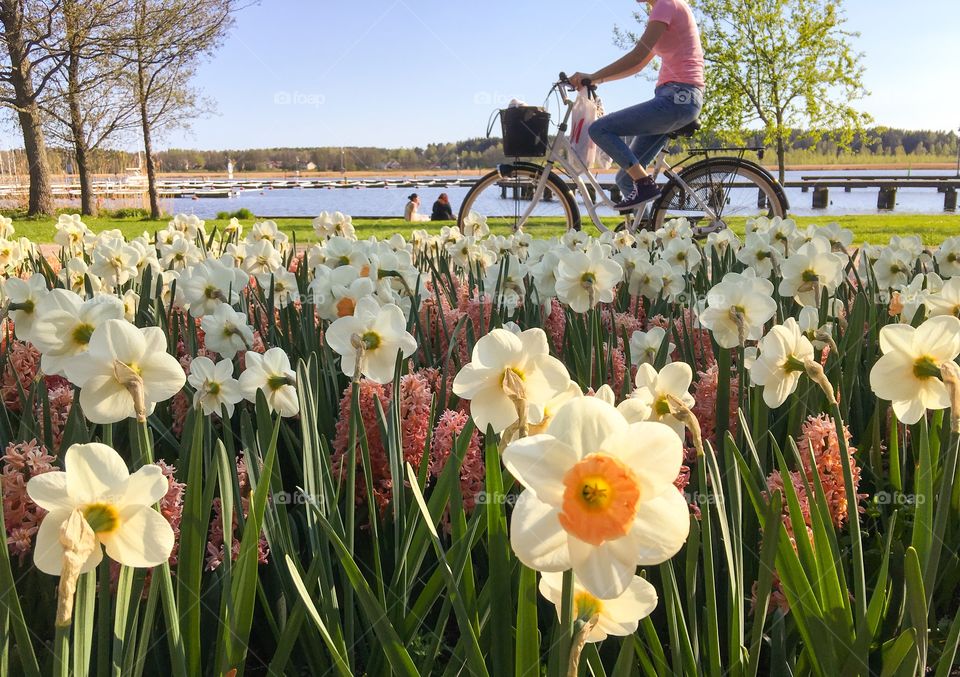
886 187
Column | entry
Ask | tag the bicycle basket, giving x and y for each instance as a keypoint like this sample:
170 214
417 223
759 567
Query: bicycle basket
526 130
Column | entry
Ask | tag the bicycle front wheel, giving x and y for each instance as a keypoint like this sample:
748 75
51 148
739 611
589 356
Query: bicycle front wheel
733 190
504 197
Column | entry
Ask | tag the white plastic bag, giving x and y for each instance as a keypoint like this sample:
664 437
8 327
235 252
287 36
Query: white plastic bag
584 115
602 161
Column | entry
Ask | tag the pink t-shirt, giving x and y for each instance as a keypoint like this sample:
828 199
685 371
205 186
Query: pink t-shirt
679 46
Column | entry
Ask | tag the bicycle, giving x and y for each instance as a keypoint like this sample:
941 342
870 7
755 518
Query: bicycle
712 191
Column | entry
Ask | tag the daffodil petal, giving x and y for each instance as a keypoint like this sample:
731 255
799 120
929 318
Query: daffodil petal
585 423
49 491
660 527
605 570
94 471
143 539
536 536
539 463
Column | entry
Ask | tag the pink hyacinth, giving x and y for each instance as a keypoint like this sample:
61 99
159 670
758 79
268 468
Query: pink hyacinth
171 505
21 516
416 398
705 408
555 325
60 398
23 363
473 469
370 394
820 447
215 546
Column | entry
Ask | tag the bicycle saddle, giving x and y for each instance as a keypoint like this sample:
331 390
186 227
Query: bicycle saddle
686 130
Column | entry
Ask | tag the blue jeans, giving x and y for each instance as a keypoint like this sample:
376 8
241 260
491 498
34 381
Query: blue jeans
674 105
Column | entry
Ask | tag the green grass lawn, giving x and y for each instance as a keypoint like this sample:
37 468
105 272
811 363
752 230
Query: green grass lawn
875 229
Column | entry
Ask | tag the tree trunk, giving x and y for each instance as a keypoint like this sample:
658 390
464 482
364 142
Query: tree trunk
151 165
28 112
145 126
87 206
40 201
781 157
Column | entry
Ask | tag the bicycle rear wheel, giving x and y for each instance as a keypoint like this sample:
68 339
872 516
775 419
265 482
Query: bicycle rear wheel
735 190
504 195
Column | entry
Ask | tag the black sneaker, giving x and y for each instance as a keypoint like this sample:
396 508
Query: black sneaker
644 190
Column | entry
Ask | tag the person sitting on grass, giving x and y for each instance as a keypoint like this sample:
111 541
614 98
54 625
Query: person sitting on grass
442 211
671 34
410 211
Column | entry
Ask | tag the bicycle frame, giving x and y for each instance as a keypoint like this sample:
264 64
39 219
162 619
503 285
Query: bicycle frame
561 154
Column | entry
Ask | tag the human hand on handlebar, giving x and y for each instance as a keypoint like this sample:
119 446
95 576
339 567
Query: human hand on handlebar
579 80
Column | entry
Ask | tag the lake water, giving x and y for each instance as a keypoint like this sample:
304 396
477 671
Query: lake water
359 202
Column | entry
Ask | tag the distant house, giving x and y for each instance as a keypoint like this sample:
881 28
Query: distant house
311 166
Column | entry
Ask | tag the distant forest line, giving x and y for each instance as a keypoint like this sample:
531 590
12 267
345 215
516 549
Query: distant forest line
876 145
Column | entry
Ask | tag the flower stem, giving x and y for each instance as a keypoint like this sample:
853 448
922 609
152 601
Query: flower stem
723 396
565 639
61 651
853 514
942 510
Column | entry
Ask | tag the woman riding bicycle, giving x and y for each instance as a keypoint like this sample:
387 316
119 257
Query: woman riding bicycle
671 34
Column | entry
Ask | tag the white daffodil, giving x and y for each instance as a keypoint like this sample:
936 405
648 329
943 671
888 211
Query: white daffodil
946 301
214 386
261 258
206 285
908 372
840 238
505 281
125 373
116 506
737 309
76 274
646 345
330 224
721 242
271 373
948 257
654 390
784 352
268 231
812 271
492 392
7 230
683 254
372 337
646 279
619 616
337 291
284 284
115 261
585 279
226 331
893 267
475 225
24 297
65 325
599 496
759 255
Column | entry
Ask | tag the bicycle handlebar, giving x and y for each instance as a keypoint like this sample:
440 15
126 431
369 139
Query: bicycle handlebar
564 80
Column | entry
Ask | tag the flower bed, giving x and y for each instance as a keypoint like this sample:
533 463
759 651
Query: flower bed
484 454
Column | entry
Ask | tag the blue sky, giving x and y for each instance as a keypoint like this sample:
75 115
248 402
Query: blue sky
407 72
